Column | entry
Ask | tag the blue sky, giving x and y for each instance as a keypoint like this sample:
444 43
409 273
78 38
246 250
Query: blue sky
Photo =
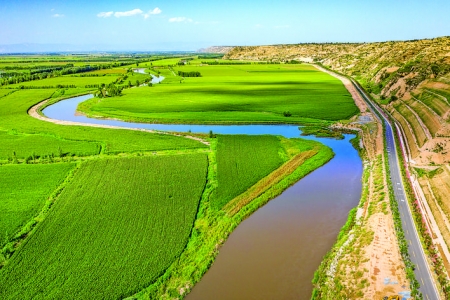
189 25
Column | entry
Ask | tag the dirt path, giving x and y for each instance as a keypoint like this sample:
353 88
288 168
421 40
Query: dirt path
34 112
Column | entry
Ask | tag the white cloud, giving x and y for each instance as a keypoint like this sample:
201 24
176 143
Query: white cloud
58 15
155 11
105 14
129 13
180 19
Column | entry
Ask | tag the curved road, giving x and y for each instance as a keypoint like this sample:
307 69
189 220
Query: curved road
422 270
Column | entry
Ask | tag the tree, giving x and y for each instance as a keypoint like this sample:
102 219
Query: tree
129 84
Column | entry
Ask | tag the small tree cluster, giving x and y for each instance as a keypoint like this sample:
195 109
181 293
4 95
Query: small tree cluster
189 74
111 90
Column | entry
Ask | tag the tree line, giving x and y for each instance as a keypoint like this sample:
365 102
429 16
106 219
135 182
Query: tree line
189 74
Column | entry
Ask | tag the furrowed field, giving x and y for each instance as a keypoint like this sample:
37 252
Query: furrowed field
242 160
113 230
229 94
23 191
101 213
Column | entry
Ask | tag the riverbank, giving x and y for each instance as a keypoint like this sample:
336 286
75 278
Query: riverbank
365 262
58 110
213 227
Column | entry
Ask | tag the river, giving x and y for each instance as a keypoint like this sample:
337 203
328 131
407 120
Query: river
273 254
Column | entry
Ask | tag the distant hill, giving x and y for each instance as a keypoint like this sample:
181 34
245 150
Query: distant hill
216 49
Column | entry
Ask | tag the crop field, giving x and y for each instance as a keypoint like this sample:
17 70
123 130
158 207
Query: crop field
427 117
66 81
413 122
113 230
14 107
25 145
109 71
23 191
242 160
242 93
101 213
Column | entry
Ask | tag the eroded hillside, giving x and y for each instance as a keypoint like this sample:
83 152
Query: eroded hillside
410 77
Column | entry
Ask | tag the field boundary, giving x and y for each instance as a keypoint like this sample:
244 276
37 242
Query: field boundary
236 204
20 237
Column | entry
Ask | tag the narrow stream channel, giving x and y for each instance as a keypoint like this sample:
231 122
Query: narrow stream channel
273 254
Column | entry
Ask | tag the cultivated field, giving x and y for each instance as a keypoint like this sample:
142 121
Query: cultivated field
14 107
231 94
23 192
113 230
242 160
107 213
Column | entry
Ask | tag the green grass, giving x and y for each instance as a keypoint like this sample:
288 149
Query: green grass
25 145
233 94
13 111
109 71
242 160
23 191
4 92
112 232
66 80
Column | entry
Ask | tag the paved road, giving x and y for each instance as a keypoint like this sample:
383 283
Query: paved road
422 271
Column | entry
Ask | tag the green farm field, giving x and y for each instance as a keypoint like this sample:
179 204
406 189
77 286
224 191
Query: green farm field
23 192
242 160
66 81
234 94
24 145
113 230
128 213
14 107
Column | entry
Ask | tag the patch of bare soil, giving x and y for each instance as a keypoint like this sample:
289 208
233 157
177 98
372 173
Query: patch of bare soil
392 69
435 151
400 87
436 85
386 268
